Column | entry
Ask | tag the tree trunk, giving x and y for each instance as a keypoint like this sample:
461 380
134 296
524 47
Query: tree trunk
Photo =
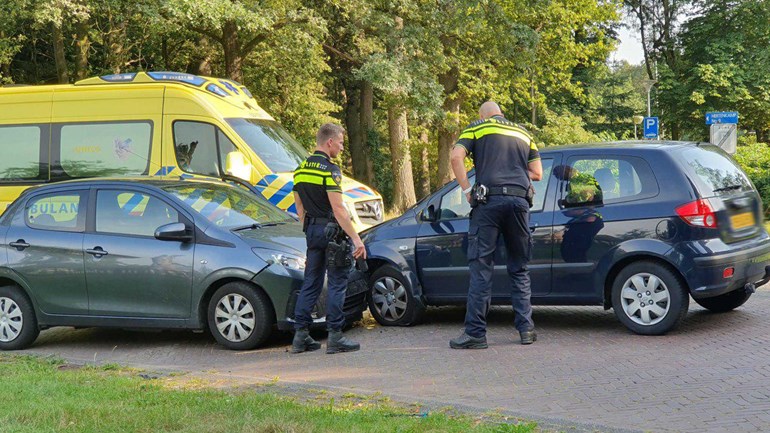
58 54
116 40
202 64
366 110
534 103
231 47
358 153
641 16
401 160
424 165
5 67
450 128
164 53
83 44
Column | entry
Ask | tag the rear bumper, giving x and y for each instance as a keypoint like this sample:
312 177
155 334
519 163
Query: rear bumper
751 267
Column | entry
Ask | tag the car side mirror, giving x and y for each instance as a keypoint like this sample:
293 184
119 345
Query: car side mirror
237 165
174 232
429 214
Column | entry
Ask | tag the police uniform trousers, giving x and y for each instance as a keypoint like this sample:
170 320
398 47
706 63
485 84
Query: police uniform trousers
315 270
509 216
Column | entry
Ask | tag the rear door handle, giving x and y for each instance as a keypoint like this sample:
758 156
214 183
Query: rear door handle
97 252
19 244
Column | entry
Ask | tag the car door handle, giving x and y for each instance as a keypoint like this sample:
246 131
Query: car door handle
97 251
533 228
19 244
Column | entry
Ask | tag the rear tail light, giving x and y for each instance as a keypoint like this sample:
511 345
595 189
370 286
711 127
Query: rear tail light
698 213
728 272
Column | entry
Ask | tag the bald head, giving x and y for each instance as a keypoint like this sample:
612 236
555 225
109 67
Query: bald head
489 109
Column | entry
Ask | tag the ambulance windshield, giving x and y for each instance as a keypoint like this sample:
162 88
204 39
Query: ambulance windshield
273 144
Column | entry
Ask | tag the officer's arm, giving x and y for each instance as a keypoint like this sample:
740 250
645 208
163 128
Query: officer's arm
300 207
457 157
535 169
343 219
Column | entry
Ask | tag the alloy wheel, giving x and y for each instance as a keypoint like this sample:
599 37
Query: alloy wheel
235 317
390 298
645 299
11 320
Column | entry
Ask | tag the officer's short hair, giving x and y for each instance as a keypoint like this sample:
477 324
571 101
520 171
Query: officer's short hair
327 131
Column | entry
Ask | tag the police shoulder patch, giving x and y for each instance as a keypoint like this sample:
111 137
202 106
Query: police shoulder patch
337 177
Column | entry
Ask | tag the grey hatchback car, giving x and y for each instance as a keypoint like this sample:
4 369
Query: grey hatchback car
149 253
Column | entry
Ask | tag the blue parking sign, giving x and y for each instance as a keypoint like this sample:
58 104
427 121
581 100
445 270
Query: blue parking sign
650 127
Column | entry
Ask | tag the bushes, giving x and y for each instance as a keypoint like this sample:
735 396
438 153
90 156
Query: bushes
754 158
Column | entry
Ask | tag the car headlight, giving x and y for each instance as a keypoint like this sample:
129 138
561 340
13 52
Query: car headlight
290 261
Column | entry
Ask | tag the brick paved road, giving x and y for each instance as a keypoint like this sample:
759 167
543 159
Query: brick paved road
713 374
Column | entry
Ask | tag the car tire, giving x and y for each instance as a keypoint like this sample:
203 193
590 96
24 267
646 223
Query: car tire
240 316
648 298
726 302
18 324
390 299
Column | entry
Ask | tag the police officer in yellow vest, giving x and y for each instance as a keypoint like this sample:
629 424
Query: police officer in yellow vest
506 161
318 197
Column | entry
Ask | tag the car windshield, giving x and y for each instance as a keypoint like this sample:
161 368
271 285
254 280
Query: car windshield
267 138
228 206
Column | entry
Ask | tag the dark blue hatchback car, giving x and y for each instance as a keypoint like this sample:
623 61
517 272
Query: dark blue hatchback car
637 226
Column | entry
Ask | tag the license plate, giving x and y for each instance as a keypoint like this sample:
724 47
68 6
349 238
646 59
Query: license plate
742 220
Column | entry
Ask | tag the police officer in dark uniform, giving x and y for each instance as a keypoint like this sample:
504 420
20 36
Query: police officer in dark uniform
318 197
506 161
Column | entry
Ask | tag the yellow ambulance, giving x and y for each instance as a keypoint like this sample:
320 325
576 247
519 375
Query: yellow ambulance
166 124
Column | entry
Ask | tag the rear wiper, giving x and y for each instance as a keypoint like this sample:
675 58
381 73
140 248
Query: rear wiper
728 188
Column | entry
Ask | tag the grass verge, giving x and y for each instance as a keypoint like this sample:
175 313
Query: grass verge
47 395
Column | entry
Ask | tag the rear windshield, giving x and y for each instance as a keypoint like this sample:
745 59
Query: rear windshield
714 172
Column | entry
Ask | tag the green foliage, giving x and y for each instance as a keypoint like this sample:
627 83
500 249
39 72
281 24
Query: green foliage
755 160
563 129
727 72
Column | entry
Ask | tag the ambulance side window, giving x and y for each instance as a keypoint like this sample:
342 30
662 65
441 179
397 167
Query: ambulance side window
102 149
62 211
24 155
195 144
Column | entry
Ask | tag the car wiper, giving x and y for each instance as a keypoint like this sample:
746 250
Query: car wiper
252 226
277 223
728 188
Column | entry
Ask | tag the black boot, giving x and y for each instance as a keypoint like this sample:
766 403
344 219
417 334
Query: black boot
528 337
303 342
465 341
338 343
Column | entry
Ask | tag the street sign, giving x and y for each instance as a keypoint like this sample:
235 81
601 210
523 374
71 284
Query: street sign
650 127
721 117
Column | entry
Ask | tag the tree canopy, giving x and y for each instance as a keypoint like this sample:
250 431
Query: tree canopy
405 76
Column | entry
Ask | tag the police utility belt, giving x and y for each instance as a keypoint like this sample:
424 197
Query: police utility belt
338 253
480 193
